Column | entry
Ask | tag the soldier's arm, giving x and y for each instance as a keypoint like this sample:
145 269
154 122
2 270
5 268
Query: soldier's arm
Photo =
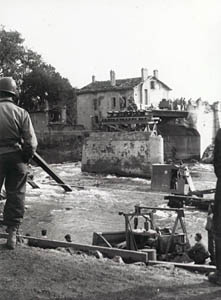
29 138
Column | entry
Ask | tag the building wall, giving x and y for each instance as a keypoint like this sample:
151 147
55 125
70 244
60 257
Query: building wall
137 95
157 94
145 96
86 107
122 153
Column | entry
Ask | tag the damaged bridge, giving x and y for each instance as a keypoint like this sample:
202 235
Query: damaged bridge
122 153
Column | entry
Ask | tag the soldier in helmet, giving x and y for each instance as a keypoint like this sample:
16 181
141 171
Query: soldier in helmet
17 145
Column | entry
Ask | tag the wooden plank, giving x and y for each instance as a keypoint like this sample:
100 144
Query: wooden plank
42 163
190 267
79 187
103 239
186 197
128 255
190 182
202 192
32 184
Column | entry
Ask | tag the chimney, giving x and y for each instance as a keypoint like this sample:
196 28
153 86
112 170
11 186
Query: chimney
144 74
93 78
155 73
112 78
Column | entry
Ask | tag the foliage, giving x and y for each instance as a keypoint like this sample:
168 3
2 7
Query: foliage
15 59
36 80
44 83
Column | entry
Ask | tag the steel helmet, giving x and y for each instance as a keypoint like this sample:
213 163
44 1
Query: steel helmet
7 84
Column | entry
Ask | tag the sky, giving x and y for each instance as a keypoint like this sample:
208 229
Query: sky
80 38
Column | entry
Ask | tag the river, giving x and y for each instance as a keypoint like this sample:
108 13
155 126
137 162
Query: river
96 207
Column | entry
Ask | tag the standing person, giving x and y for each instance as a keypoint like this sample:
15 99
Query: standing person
18 143
215 277
210 231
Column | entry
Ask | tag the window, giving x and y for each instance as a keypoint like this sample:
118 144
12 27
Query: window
146 96
95 104
113 102
152 85
54 116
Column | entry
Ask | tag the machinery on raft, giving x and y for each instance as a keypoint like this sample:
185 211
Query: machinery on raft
143 233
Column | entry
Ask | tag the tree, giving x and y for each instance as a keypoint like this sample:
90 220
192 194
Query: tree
15 59
44 83
36 80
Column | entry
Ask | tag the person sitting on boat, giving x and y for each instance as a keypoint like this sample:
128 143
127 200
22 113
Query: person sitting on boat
198 252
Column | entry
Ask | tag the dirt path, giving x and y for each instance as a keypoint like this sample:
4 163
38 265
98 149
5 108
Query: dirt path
32 273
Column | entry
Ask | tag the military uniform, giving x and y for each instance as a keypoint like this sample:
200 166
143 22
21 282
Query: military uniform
17 145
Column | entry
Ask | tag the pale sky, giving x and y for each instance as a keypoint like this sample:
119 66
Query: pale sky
81 38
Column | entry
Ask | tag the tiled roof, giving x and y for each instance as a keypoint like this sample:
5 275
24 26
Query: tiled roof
121 84
101 86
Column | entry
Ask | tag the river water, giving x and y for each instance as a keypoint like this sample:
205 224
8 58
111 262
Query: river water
96 207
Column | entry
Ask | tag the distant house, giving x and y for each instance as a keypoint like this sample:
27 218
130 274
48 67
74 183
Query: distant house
45 116
97 98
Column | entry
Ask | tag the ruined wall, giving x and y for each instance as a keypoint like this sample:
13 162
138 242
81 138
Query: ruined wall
206 118
122 153
205 126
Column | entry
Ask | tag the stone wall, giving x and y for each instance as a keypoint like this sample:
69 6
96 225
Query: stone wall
57 142
57 146
122 153
40 120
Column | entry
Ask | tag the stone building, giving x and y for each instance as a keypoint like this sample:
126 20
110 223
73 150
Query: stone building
97 98
59 139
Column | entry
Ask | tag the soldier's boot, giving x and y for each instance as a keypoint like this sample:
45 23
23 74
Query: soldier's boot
12 238
215 277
